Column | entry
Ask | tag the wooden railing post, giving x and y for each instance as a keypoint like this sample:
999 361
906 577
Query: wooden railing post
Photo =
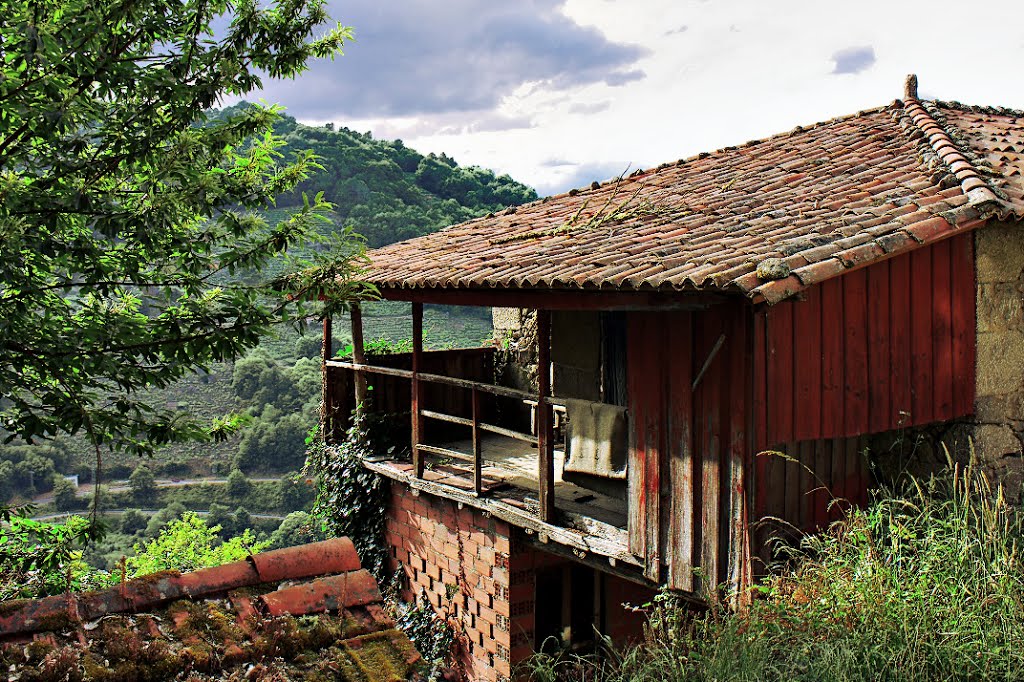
545 420
327 416
478 460
417 353
359 357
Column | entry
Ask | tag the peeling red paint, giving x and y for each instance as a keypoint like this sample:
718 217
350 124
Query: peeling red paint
337 555
357 588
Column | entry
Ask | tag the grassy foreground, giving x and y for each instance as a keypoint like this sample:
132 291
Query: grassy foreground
926 584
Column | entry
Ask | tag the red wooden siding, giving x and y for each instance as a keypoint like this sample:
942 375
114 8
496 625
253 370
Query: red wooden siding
689 448
881 348
886 347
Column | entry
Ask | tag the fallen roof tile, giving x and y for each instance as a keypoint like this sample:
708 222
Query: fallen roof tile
356 588
337 555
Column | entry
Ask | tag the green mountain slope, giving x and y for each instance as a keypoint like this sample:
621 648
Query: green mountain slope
388 192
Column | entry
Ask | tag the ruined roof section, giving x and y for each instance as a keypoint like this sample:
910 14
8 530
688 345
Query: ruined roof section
305 612
765 219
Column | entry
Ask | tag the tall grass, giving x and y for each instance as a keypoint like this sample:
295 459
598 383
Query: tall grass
925 584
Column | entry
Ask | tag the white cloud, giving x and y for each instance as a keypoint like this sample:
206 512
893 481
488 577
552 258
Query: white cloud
742 69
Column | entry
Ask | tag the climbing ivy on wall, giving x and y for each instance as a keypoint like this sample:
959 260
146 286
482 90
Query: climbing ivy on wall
350 499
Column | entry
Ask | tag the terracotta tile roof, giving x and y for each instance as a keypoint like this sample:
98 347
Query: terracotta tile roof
764 219
255 617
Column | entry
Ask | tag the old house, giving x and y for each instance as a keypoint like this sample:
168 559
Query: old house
844 293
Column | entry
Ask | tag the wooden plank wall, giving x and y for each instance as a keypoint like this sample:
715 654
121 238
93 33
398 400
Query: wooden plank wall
885 347
801 487
689 446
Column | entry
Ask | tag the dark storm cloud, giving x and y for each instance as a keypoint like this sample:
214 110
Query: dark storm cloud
853 59
422 57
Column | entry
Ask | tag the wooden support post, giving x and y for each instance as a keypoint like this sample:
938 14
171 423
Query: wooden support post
417 353
478 460
327 416
359 356
545 420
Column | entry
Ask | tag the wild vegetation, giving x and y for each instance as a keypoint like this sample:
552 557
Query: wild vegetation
925 584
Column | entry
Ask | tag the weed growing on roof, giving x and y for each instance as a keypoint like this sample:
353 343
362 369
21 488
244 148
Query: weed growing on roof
925 584
610 213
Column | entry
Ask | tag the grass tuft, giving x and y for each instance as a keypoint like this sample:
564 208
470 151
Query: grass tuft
925 584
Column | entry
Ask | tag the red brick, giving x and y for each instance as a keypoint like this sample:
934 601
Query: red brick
487 615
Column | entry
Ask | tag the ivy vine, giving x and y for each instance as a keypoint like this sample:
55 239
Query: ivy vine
350 500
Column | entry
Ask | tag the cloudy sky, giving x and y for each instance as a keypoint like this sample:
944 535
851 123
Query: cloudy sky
558 93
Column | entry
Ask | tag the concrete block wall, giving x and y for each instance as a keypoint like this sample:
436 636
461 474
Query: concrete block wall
999 402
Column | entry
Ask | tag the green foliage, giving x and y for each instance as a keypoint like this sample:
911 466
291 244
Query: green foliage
432 635
298 528
188 544
378 346
39 558
131 522
142 484
350 499
238 484
160 520
389 192
274 442
65 497
923 585
130 226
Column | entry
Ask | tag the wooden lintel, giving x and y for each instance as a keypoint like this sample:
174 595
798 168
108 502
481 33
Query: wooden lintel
560 299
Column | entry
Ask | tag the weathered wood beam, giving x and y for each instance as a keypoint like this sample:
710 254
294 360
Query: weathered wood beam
326 398
417 393
359 356
600 538
545 420
478 456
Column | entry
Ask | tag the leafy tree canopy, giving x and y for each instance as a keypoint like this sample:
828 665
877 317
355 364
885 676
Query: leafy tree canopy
188 544
128 215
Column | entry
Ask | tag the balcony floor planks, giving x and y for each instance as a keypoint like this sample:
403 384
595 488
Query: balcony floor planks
593 522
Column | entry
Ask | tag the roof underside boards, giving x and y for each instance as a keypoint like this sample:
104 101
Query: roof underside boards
765 219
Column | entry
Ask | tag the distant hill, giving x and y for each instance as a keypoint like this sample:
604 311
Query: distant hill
388 192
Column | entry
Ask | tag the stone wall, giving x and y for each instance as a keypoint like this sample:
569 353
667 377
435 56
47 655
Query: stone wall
999 403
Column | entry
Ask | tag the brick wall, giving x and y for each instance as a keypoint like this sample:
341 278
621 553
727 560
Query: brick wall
479 574
459 559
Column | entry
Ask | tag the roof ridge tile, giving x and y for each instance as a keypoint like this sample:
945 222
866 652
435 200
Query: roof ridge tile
942 143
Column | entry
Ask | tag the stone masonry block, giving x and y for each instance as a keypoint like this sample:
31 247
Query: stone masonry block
999 253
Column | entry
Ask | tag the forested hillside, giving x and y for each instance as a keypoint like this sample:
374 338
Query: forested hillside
388 192
382 190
